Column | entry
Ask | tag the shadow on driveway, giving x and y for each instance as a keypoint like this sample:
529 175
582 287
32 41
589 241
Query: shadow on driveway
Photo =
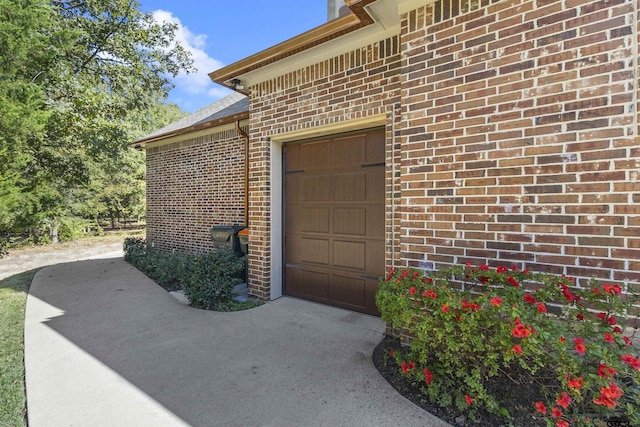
104 345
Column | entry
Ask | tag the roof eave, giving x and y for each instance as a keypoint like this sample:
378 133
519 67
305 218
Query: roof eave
141 143
359 18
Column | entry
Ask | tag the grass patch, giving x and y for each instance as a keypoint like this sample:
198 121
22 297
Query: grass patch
13 299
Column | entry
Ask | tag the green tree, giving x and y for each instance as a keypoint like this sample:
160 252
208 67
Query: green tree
73 73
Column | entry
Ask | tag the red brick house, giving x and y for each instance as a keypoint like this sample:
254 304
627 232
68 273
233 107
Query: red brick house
420 133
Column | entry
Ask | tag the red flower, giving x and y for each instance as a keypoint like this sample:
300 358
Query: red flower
567 293
496 301
469 305
612 392
445 308
405 368
580 347
634 362
609 338
627 340
564 400
556 413
542 308
429 293
428 377
390 275
513 282
601 315
605 371
517 349
412 290
392 353
608 396
580 316
617 330
484 267
501 269
611 320
468 264
530 299
520 330
562 423
404 274
468 399
412 365
612 289
575 383
562 339
541 408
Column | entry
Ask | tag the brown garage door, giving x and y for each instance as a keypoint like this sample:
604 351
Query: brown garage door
335 220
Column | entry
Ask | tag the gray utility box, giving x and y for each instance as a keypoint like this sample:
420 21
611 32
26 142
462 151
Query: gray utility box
226 237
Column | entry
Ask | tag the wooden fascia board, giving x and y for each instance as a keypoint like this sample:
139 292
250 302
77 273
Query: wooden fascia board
324 33
190 129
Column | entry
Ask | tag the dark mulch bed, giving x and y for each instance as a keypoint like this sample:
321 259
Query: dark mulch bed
518 396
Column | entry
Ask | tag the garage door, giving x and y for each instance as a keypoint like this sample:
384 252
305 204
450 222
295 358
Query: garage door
334 242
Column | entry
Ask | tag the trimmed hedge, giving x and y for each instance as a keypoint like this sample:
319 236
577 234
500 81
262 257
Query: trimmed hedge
207 279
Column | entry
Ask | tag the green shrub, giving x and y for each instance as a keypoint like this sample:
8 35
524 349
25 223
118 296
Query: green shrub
165 269
209 278
72 228
135 249
468 325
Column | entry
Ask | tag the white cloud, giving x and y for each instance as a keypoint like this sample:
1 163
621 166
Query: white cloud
198 82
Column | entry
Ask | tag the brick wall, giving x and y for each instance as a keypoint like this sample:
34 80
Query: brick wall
193 184
520 137
355 84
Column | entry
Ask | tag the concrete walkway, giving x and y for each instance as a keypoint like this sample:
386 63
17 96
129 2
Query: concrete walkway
105 346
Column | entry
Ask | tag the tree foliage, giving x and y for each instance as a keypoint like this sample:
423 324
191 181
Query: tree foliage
74 75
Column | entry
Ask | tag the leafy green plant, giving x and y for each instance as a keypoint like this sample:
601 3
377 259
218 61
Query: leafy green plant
135 249
209 278
469 325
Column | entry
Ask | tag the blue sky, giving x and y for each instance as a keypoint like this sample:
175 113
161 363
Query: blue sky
219 33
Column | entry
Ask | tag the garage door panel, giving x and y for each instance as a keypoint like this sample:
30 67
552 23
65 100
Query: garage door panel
315 251
351 187
348 151
348 290
375 222
316 188
315 219
352 221
375 191
316 284
375 258
375 148
294 161
349 254
315 155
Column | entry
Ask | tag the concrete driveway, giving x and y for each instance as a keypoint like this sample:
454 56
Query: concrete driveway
106 346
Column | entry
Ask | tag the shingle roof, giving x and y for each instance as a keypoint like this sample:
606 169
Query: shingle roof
228 106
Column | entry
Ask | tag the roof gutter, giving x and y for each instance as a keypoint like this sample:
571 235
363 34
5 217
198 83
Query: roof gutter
359 18
141 143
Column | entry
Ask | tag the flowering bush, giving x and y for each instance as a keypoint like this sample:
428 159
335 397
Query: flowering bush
469 325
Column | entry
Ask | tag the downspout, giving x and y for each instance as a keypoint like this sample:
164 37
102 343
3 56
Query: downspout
396 108
246 172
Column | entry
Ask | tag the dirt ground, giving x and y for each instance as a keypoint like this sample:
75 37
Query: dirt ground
19 260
